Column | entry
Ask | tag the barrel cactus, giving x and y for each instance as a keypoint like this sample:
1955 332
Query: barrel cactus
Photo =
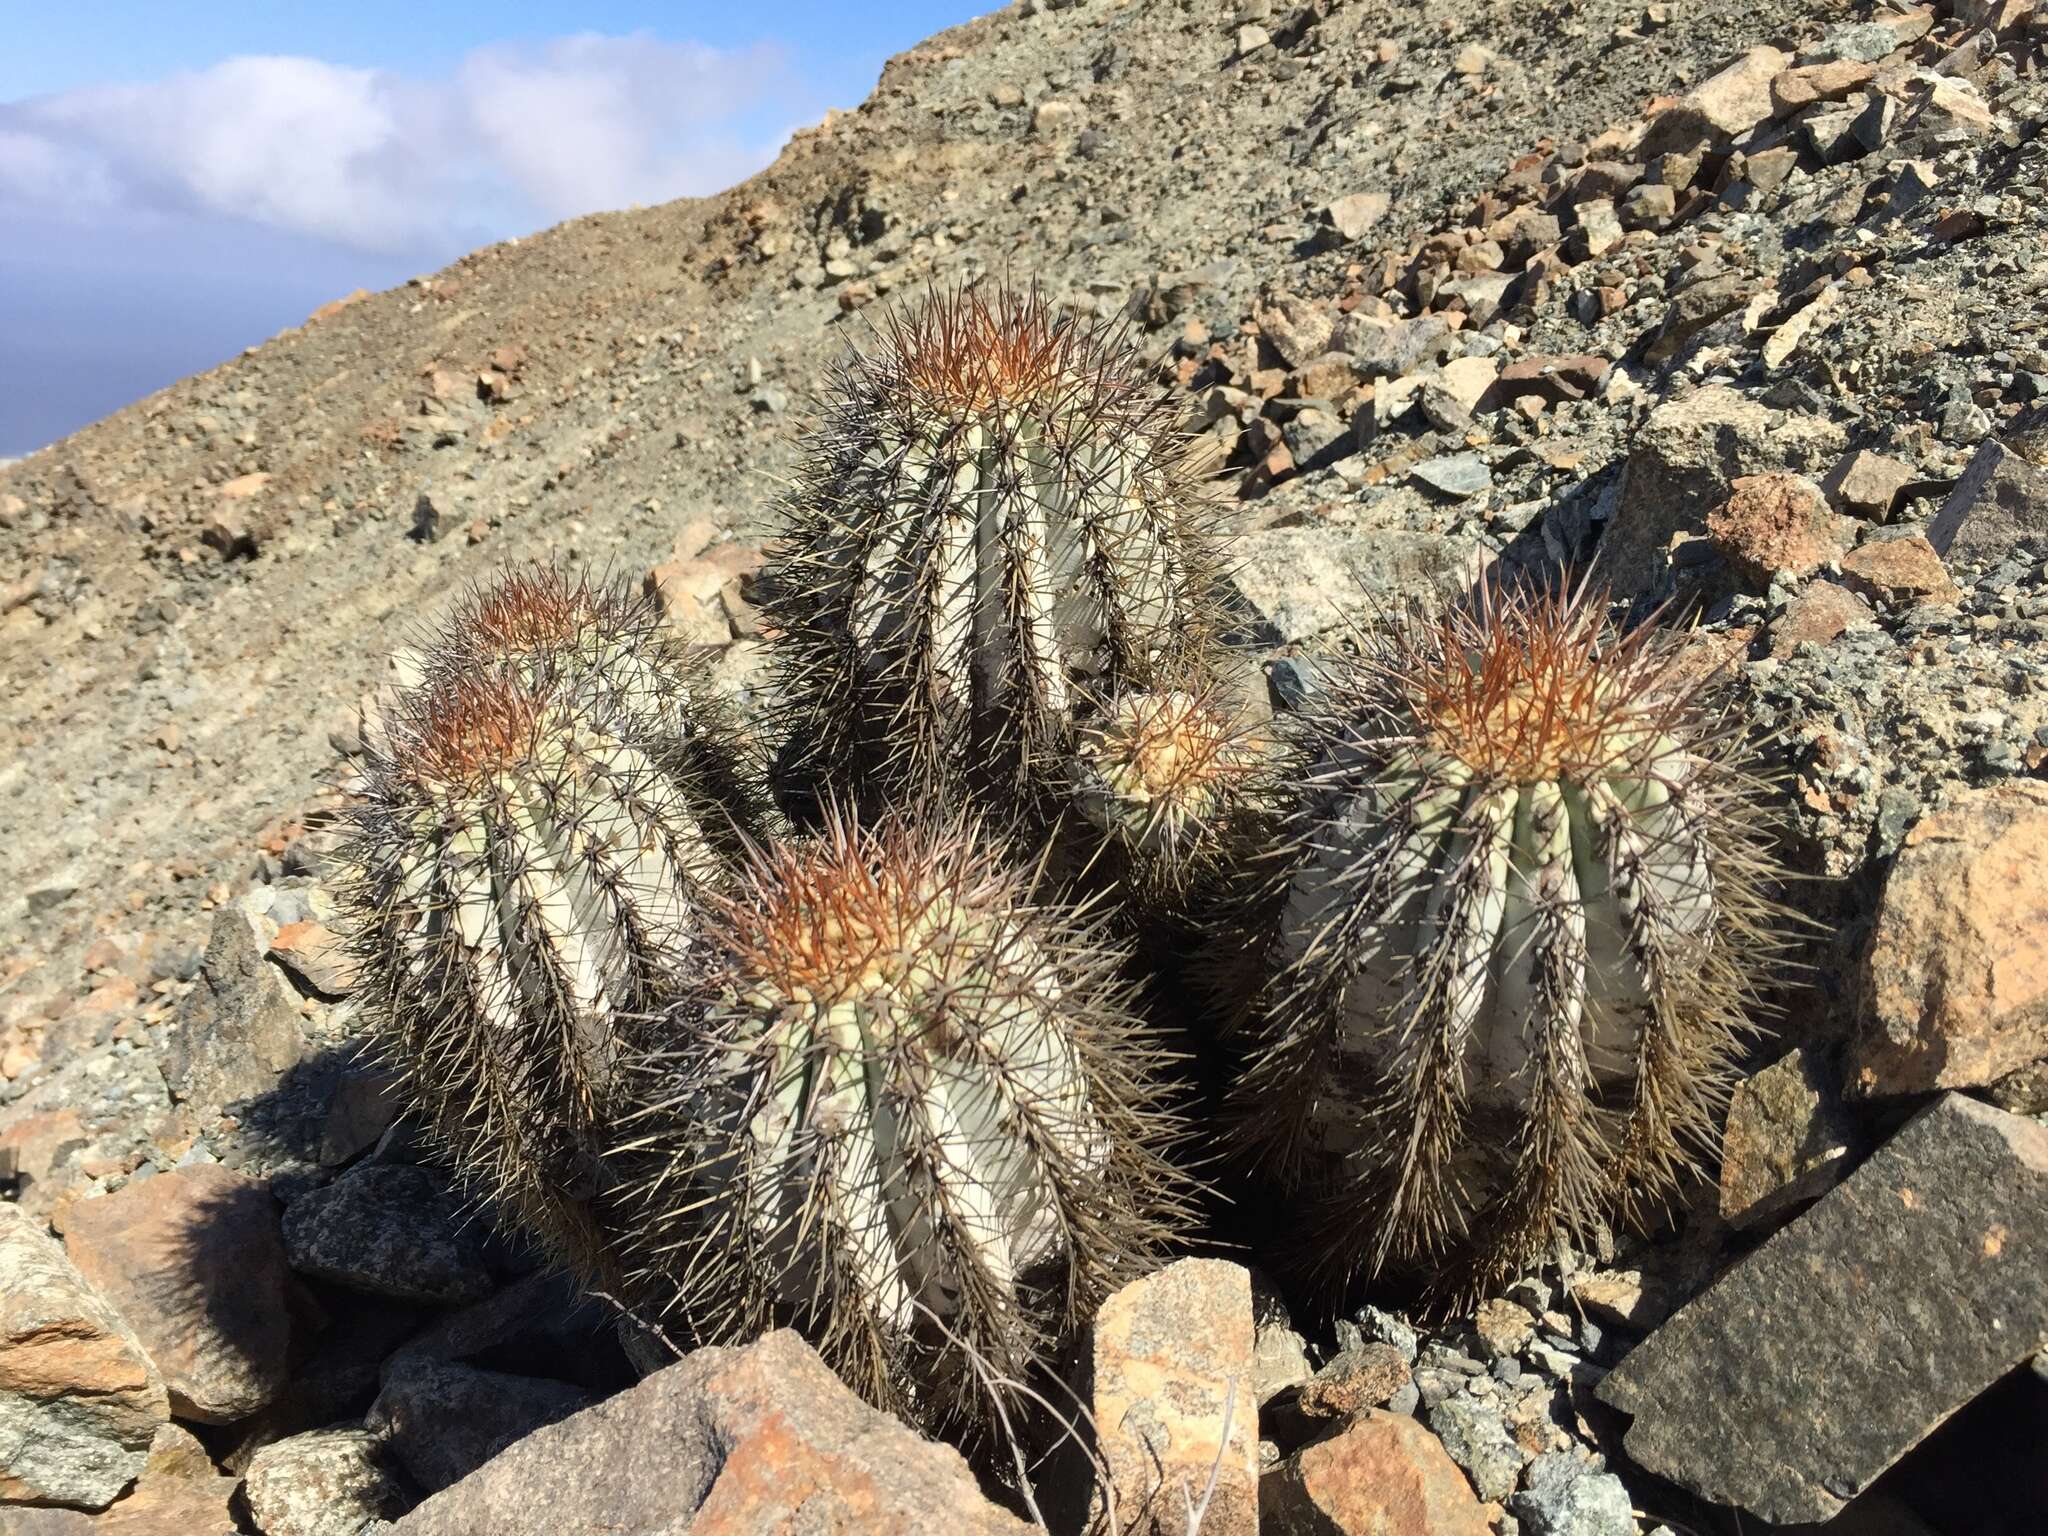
1521 920
998 507
529 874
908 1110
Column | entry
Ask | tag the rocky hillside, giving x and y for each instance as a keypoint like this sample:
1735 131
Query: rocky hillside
1743 310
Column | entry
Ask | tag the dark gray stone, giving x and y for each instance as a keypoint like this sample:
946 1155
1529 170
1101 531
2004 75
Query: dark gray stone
443 1421
389 1230
2000 502
1858 1329
238 1031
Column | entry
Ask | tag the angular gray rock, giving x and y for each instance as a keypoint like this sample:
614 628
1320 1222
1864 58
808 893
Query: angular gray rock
1472 1431
443 1421
238 1032
327 1482
391 1230
1563 1496
79 1401
757 1439
2000 502
1842 1342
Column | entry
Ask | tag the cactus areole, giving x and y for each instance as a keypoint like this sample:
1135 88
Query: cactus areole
997 508
1519 936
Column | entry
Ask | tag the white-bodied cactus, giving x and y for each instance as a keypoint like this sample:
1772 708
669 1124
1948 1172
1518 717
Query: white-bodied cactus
998 508
907 1112
1521 932
530 871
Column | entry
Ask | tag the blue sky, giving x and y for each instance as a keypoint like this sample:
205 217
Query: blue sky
180 181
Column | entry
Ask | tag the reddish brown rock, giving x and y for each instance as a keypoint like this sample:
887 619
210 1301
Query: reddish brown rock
1818 615
725 1442
194 1262
1174 1399
1955 979
1900 573
79 1401
1385 1475
1772 523
1796 89
40 1148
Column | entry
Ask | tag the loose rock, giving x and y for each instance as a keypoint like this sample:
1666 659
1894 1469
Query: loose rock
1955 978
392 1231
1175 1398
195 1264
79 1400
1838 1377
1383 1475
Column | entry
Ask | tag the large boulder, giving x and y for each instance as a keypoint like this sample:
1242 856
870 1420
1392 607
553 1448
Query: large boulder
763 1438
195 1264
79 1400
1856 1331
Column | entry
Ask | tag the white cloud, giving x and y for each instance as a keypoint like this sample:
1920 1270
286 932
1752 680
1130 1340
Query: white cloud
370 158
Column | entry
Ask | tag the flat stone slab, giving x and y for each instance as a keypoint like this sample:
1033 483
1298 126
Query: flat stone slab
1857 1330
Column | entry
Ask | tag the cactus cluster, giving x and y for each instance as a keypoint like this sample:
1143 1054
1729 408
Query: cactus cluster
1498 889
1519 928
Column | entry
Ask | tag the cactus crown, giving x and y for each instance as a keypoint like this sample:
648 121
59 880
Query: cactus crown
1520 935
905 1112
996 509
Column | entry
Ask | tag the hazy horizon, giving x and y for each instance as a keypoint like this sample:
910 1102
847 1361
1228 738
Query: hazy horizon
182 192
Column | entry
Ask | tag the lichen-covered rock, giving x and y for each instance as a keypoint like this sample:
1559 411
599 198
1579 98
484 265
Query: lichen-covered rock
1955 979
326 1482
1175 1399
79 1400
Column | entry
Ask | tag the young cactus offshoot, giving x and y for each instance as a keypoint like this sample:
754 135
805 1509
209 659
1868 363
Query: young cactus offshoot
998 508
528 876
1173 787
1522 927
908 1111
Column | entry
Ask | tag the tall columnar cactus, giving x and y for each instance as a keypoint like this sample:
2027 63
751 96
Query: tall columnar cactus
997 508
1520 932
529 875
908 1110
